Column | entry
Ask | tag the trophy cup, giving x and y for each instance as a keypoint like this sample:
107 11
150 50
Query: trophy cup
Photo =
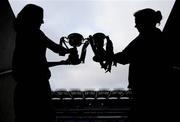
102 54
75 40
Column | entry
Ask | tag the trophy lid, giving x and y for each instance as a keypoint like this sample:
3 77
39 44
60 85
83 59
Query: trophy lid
99 39
99 36
75 39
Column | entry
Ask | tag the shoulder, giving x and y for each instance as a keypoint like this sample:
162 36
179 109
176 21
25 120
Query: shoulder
38 32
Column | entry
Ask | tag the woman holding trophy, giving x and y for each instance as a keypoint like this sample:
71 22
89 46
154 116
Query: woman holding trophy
32 98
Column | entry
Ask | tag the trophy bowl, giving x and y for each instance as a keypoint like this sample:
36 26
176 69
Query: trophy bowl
99 36
99 39
75 39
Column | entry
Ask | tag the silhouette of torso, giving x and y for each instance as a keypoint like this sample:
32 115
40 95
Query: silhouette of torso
30 54
146 58
30 69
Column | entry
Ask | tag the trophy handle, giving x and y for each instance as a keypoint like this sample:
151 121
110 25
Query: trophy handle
62 41
83 51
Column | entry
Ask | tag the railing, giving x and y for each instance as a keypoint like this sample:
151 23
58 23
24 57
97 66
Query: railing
92 94
5 72
92 105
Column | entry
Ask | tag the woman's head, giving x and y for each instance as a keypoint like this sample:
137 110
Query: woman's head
31 16
147 18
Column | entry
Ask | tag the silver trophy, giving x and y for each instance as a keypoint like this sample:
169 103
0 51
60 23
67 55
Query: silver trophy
74 40
103 50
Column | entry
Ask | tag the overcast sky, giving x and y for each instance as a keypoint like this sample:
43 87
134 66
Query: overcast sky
112 17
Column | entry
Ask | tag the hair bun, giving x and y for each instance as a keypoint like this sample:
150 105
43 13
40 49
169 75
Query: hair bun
158 16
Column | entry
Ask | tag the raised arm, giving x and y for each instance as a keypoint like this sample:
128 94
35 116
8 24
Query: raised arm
53 46
120 57
51 64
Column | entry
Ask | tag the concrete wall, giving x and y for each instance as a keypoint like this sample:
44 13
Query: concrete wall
7 85
171 31
7 35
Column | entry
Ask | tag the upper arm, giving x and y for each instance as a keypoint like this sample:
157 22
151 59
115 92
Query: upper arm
121 57
52 45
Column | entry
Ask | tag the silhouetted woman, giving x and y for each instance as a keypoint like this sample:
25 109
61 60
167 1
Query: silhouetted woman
32 99
145 57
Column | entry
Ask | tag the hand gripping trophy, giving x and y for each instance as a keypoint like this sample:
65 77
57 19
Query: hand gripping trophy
75 40
103 52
